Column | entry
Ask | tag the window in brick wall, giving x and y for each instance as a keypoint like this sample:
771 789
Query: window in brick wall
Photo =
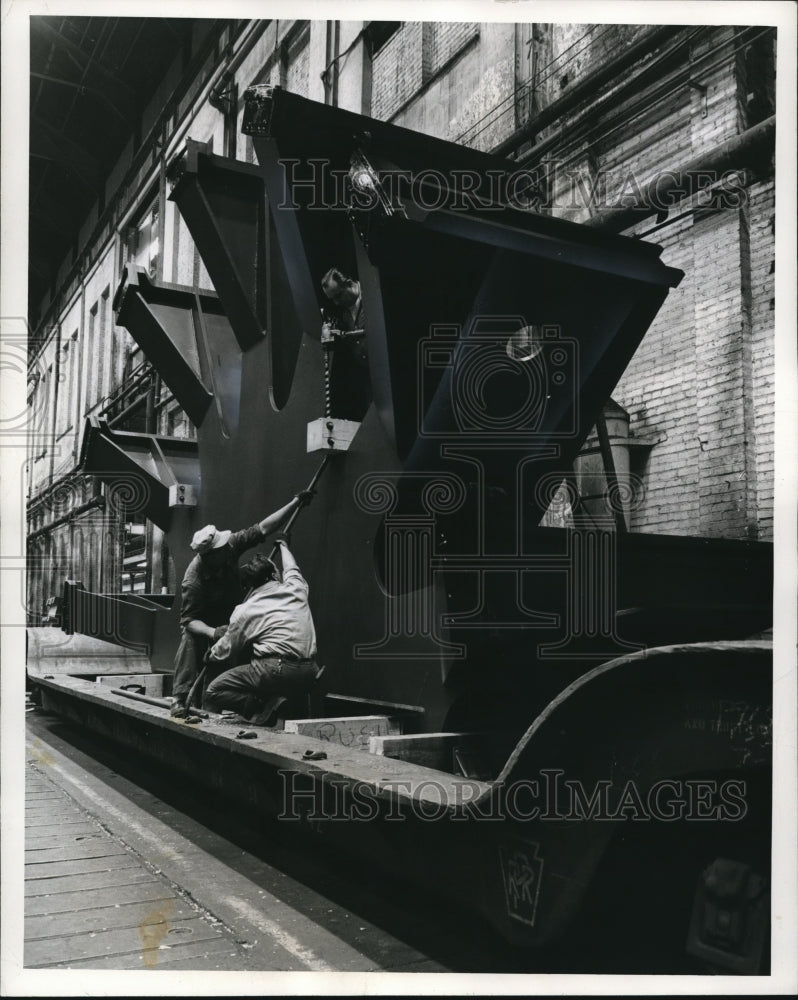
90 381
142 241
135 563
67 378
44 389
757 76
177 424
410 57
105 347
377 34
443 41
74 379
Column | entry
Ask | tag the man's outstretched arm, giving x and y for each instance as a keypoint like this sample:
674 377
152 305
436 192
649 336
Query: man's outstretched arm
273 521
286 556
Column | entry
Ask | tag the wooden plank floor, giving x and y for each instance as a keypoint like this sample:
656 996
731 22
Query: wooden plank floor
118 878
92 902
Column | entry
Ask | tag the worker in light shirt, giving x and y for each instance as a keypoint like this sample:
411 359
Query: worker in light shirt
211 590
272 632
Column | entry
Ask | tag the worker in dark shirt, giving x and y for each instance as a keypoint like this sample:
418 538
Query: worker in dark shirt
211 589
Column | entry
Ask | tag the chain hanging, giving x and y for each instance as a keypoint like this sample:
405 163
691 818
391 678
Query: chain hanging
327 399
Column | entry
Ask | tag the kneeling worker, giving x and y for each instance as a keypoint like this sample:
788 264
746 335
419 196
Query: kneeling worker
211 589
273 630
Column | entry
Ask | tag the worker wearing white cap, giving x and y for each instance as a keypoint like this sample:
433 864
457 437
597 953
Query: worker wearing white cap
211 589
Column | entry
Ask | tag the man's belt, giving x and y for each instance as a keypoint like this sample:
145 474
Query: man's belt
293 660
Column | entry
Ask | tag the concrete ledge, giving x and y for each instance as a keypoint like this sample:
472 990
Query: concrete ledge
150 730
153 684
51 651
434 750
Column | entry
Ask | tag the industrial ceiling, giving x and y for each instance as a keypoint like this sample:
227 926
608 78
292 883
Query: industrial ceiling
90 80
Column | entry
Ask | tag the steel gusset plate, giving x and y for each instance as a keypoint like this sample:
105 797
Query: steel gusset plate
139 468
223 204
187 338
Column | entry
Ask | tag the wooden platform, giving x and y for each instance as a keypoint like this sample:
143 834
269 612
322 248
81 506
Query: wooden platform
91 902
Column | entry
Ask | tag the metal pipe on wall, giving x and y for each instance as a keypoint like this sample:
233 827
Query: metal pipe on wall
586 87
734 154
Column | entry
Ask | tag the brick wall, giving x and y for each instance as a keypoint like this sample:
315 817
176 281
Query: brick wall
719 241
296 78
715 115
457 104
659 390
397 70
761 214
445 39
701 384
567 52
411 58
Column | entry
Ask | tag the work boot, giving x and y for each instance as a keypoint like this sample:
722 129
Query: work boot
268 714
178 709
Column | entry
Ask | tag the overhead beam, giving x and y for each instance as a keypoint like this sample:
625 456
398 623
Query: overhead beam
118 93
83 88
48 142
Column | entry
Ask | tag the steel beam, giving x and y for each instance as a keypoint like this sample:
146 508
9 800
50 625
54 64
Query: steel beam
161 319
223 204
141 466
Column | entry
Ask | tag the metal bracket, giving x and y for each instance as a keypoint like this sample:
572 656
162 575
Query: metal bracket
730 917
331 434
224 96
258 109
182 495
702 89
330 337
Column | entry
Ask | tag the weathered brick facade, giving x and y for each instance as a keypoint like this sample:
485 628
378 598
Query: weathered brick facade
398 70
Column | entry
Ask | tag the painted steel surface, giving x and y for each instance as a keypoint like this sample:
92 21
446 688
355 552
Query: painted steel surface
431 584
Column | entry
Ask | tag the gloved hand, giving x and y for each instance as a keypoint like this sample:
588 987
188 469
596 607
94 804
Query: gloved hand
219 632
282 539
305 496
